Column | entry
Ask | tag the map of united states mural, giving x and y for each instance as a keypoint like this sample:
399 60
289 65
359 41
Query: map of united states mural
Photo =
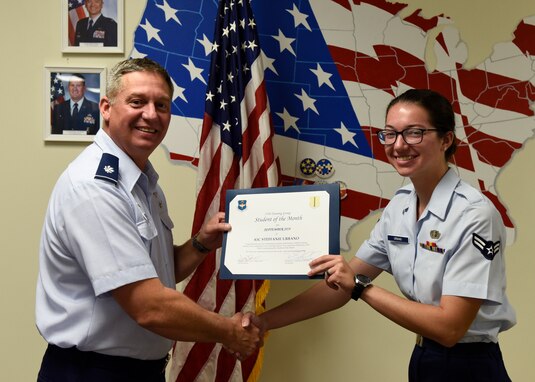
331 67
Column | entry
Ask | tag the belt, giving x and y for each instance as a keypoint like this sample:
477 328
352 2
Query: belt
461 348
110 362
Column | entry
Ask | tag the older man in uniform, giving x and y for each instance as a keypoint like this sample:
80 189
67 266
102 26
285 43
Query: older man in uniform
95 29
77 114
106 301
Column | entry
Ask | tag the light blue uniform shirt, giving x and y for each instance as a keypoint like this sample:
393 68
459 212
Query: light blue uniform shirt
456 248
99 236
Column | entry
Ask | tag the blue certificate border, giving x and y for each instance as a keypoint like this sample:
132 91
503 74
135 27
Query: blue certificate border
334 226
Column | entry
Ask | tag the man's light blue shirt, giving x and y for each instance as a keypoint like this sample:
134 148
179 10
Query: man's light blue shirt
99 236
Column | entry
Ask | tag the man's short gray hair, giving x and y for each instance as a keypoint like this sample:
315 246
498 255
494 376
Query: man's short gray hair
113 86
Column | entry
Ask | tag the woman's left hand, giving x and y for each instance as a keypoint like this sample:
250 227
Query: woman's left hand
338 273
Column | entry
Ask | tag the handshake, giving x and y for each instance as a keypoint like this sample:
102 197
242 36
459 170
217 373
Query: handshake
246 335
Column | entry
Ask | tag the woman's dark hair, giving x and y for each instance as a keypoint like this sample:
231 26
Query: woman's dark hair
438 108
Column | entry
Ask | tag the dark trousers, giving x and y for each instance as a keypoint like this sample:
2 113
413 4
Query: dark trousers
73 365
471 362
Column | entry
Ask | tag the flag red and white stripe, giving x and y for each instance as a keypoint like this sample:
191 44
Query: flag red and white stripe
236 151
77 11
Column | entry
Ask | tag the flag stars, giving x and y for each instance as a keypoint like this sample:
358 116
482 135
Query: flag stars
170 13
323 77
215 47
232 26
225 32
285 42
178 92
252 45
226 126
230 77
308 102
289 120
210 96
152 33
252 23
347 136
299 18
222 104
194 72
207 45
268 62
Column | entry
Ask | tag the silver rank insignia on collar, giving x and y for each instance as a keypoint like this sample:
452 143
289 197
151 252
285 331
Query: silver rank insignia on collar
108 168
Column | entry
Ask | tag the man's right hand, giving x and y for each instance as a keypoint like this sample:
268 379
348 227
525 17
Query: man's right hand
245 337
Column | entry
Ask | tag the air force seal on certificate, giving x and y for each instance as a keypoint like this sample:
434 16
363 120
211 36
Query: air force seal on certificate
242 204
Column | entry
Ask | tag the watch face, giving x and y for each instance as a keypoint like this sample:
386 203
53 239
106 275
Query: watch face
363 279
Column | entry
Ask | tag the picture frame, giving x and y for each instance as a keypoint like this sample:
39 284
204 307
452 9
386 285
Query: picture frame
105 36
76 121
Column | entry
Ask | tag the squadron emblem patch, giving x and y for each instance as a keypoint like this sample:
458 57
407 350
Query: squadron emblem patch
488 248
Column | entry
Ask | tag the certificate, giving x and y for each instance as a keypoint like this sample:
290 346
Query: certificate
277 231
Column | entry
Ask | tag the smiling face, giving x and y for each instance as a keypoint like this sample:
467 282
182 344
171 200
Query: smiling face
94 7
76 89
138 118
424 161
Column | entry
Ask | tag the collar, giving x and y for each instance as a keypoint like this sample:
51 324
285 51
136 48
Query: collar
79 102
95 18
440 200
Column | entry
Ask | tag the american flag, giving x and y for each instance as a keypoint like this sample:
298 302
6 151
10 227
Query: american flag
57 91
236 151
76 11
331 67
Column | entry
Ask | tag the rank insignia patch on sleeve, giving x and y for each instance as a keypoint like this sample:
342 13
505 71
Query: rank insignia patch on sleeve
488 248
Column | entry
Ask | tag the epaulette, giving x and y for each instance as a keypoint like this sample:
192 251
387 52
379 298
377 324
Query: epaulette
108 168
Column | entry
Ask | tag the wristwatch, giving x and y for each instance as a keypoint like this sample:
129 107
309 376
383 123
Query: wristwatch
361 282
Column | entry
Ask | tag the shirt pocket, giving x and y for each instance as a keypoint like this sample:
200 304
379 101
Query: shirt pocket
145 225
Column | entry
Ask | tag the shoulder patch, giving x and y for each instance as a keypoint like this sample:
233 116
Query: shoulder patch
488 249
108 168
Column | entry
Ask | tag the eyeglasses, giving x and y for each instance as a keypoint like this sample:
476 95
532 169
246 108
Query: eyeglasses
411 136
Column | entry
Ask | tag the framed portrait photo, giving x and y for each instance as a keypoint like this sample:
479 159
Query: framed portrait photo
71 106
92 26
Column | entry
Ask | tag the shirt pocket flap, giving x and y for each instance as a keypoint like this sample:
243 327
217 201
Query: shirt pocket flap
166 220
146 229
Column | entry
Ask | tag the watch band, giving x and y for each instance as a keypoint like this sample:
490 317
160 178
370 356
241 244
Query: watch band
357 291
361 283
197 244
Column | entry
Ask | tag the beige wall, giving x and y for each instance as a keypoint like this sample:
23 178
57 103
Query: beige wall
352 343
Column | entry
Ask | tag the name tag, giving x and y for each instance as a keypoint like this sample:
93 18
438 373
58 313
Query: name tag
398 239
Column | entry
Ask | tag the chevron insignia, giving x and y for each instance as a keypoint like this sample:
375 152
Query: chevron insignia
488 248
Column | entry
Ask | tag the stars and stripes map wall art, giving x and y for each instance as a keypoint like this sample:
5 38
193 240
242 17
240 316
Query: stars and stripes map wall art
330 67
